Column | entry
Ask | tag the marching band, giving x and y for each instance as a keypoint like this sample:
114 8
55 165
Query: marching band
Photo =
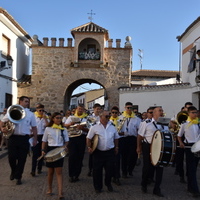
114 143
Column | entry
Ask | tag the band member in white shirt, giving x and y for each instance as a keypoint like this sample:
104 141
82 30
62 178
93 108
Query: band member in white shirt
144 139
116 121
77 144
128 143
104 155
55 135
191 131
18 144
42 121
96 109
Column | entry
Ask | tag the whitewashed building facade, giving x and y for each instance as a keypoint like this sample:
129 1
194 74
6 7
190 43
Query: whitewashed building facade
172 96
14 46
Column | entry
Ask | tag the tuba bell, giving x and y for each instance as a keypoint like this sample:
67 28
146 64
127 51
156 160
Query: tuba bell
16 113
180 118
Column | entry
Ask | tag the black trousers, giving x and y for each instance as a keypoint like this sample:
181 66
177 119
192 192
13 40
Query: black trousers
18 147
128 153
191 164
148 168
103 160
36 150
117 162
76 149
90 162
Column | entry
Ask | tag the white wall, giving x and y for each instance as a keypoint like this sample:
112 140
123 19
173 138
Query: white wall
171 100
19 50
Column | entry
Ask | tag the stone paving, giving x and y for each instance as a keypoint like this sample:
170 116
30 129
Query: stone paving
33 188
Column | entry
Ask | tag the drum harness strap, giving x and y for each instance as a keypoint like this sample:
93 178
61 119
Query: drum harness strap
63 137
156 128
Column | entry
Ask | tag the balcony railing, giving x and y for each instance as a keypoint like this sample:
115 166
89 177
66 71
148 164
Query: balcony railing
89 56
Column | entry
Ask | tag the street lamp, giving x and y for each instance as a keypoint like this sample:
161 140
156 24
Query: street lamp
3 63
9 60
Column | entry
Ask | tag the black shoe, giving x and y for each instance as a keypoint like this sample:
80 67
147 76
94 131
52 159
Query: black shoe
124 175
89 173
159 194
182 180
117 182
98 191
39 171
196 194
12 177
71 179
110 188
19 182
76 179
33 174
130 174
144 189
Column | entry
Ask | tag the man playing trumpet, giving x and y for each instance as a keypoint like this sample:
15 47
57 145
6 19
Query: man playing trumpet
77 144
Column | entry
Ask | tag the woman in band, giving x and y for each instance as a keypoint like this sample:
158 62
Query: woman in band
55 135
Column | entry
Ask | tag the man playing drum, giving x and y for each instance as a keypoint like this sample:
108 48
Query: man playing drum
144 139
190 129
104 155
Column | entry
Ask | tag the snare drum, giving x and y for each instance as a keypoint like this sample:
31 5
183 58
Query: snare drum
163 148
55 154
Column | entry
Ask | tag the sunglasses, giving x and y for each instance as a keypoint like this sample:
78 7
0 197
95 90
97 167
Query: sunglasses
150 112
114 112
107 116
129 108
41 110
58 117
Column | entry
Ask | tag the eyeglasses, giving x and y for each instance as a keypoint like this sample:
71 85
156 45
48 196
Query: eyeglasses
114 112
193 112
41 110
58 117
150 112
130 108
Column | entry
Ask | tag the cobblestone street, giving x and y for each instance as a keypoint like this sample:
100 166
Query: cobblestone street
33 188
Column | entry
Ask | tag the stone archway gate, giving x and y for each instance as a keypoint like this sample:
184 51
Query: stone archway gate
55 68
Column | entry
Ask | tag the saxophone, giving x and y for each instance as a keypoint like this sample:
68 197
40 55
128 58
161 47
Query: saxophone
121 123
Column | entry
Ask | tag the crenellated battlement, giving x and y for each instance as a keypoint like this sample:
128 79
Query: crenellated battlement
60 42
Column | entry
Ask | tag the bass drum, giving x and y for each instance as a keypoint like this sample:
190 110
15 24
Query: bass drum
163 147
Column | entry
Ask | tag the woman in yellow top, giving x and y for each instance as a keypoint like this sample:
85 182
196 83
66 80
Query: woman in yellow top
55 135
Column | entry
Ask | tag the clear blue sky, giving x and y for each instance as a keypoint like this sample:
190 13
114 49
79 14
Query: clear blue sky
153 25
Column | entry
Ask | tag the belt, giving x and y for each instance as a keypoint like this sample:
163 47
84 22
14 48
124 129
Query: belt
21 135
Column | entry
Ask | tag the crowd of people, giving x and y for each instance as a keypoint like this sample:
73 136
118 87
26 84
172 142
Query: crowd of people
122 138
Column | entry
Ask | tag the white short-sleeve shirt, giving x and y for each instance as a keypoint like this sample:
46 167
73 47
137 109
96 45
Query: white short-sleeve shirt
192 133
54 137
106 136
